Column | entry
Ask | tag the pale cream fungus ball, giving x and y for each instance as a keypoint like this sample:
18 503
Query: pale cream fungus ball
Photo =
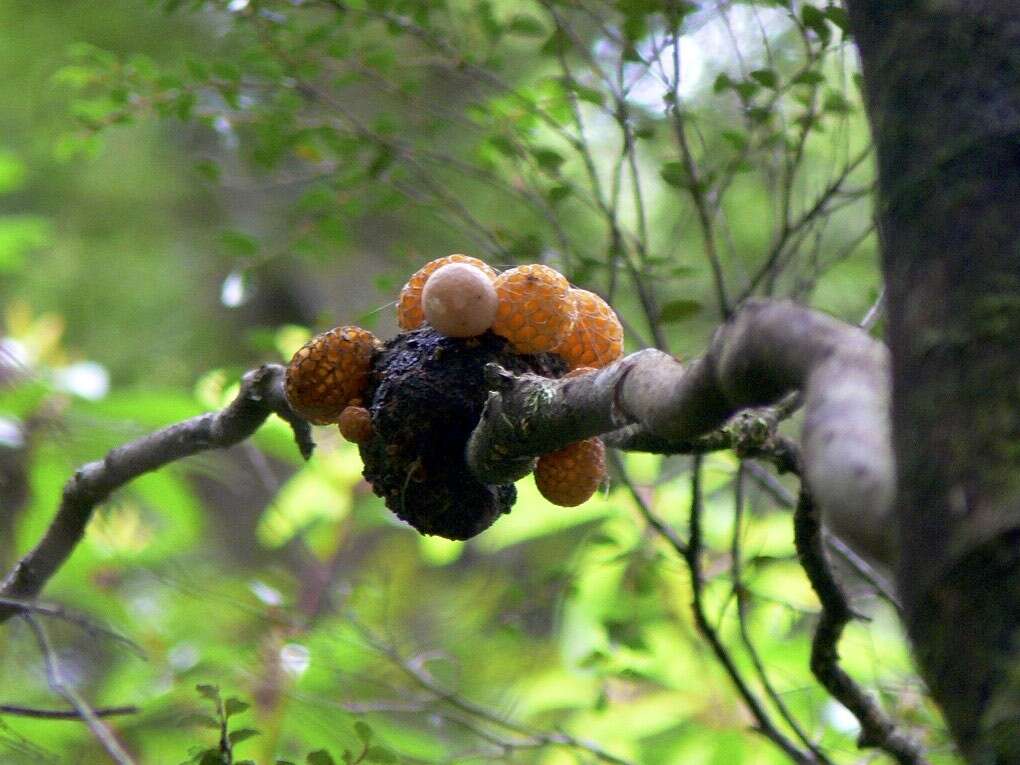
459 300
410 314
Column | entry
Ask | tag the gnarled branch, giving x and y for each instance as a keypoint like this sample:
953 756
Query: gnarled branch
767 350
261 394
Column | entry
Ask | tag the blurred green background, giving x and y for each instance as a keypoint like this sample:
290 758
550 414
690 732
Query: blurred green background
189 189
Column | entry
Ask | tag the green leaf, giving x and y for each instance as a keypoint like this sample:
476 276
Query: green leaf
238 244
488 21
208 169
503 145
19 236
234 706
836 103
839 17
645 130
583 92
810 77
722 82
679 310
675 174
766 77
557 194
242 734
548 159
199 719
814 19
320 757
75 76
184 105
380 754
212 757
211 692
526 25
735 138
363 731
746 89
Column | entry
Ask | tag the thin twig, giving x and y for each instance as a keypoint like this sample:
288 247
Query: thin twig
877 729
55 677
16 710
791 228
694 180
740 593
692 555
81 621
416 671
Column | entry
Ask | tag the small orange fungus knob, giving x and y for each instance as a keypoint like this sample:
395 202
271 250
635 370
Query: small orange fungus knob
535 308
328 372
570 476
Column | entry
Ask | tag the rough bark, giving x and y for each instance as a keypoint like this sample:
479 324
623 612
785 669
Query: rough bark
765 351
942 83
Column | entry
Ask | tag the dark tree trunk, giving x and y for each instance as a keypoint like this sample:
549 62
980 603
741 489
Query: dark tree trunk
942 83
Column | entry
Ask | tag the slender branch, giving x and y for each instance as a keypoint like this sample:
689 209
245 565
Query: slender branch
261 394
692 556
877 730
417 672
790 228
64 714
695 184
741 595
81 621
55 677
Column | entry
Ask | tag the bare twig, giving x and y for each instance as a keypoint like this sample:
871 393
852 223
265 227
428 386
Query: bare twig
417 672
57 684
81 621
16 710
877 729
695 184
791 228
692 555
740 593
261 394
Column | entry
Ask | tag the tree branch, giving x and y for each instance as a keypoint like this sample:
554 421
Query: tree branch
877 730
767 350
261 394
55 677
35 713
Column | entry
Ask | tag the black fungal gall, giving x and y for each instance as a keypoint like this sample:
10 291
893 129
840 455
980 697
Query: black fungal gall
426 395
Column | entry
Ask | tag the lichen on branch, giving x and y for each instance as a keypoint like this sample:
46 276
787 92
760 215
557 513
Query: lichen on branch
767 350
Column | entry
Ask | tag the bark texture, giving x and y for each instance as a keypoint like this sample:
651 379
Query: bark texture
766 350
942 83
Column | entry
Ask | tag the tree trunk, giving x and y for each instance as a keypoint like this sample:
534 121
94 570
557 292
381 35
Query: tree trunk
942 84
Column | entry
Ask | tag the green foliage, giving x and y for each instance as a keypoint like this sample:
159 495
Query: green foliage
310 156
